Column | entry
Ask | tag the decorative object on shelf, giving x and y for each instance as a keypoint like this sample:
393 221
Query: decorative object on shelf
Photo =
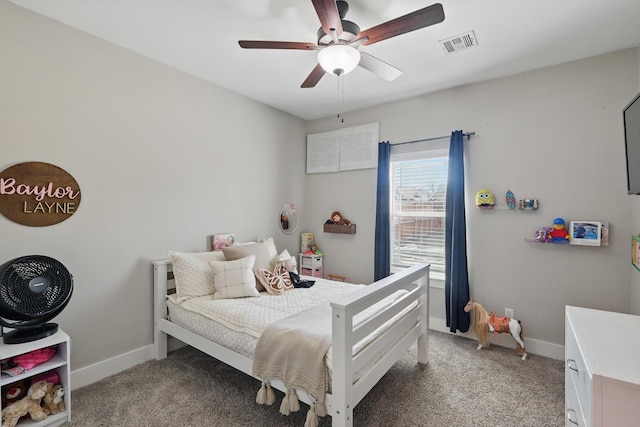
289 218
338 224
485 199
219 241
33 290
559 234
30 404
484 322
635 251
306 242
586 233
336 218
510 199
528 204
542 235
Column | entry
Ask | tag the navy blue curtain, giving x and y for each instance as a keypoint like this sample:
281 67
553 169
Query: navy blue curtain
382 251
456 286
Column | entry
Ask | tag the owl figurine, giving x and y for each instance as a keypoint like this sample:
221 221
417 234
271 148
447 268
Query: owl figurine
485 199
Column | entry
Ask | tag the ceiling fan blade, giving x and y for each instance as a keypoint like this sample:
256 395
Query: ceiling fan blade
314 77
421 18
378 67
264 44
327 11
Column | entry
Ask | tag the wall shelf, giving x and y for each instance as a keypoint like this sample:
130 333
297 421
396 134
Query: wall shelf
338 228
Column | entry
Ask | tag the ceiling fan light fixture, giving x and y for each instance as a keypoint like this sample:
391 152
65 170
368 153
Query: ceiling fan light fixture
339 59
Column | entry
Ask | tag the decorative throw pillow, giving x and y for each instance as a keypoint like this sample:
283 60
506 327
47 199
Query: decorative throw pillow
234 279
265 253
192 273
277 281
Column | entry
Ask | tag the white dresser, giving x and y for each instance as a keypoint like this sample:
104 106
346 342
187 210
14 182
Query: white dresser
602 368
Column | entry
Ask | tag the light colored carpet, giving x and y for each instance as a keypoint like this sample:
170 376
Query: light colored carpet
461 386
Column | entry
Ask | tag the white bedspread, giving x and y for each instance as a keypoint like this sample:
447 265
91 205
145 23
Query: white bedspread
252 315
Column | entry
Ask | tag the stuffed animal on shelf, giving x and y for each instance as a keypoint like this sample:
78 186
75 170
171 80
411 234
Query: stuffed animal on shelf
542 235
30 404
485 199
53 400
14 391
559 234
336 218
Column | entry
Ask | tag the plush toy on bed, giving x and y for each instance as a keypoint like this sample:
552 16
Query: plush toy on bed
53 400
30 404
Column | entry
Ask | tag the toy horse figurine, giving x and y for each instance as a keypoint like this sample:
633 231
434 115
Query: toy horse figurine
484 322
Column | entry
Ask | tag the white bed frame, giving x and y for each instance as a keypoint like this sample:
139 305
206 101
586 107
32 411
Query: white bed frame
346 393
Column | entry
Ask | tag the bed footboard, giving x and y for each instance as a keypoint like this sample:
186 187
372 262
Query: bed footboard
412 326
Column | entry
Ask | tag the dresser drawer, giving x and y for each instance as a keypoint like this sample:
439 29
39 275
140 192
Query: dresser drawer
573 416
578 374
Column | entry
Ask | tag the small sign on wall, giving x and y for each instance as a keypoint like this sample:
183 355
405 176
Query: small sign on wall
38 194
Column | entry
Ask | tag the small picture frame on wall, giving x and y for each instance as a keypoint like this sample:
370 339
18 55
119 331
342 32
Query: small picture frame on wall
219 241
586 233
635 251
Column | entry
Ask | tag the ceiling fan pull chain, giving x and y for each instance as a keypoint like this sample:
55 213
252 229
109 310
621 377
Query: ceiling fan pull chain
340 98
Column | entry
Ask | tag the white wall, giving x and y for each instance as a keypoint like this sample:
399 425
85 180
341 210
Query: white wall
163 161
554 134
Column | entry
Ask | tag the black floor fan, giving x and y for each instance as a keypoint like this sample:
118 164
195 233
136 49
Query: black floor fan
33 290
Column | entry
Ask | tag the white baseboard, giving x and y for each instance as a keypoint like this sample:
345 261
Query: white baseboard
98 371
542 348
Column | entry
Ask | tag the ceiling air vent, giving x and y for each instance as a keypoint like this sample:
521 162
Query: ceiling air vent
459 42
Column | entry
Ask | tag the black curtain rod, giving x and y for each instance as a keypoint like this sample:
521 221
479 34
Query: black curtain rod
467 134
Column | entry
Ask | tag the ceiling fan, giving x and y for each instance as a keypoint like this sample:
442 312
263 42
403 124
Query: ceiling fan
339 40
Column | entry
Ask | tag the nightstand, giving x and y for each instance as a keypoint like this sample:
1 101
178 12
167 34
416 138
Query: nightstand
59 363
311 265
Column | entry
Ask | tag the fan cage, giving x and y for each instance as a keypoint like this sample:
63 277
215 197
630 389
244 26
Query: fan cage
18 301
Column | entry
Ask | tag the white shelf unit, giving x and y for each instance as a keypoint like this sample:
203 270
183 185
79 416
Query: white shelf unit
59 362
311 265
602 373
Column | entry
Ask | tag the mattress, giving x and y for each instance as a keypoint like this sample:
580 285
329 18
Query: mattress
237 323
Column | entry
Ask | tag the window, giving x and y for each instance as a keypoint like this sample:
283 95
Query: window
419 188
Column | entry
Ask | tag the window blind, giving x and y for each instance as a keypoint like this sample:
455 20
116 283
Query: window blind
419 188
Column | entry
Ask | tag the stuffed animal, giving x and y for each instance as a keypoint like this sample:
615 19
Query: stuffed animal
30 404
14 391
336 218
53 401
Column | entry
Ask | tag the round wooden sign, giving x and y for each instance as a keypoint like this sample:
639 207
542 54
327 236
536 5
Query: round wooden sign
38 194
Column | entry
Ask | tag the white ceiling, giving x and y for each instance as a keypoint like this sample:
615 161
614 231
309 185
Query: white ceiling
200 37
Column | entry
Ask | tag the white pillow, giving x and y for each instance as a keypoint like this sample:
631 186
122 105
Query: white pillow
192 273
283 256
265 253
234 279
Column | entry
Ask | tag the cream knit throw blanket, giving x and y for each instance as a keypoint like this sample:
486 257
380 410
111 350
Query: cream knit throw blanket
294 351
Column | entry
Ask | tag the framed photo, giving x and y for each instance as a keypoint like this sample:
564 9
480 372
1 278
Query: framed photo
635 251
586 233
220 241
